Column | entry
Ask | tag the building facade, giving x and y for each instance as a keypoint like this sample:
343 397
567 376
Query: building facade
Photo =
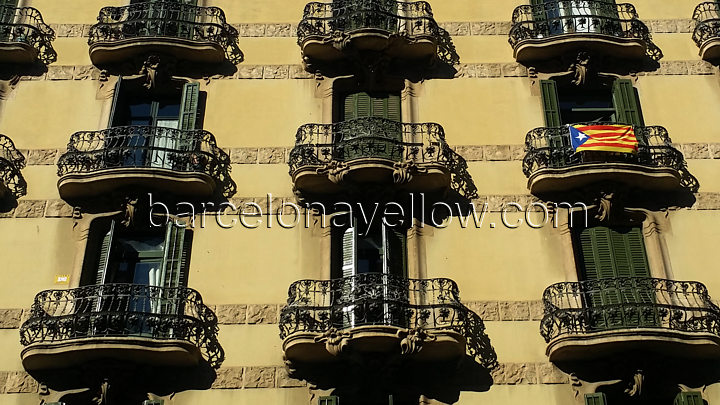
359 202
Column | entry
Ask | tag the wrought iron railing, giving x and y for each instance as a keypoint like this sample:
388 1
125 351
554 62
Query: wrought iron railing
26 25
124 310
166 19
707 22
148 147
398 17
577 17
370 137
11 162
551 148
576 308
381 299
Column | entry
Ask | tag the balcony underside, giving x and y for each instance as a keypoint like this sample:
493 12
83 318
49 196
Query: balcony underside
303 348
551 180
554 46
17 52
118 51
136 350
82 185
710 49
589 346
328 49
432 177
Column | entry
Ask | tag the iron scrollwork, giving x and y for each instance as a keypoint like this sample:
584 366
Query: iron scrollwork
419 307
576 308
124 310
167 19
553 18
26 25
707 20
11 162
147 147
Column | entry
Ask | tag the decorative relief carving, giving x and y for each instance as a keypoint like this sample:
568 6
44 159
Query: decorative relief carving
413 340
335 341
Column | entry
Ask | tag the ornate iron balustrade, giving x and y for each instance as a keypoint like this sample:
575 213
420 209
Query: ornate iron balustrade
124 310
577 17
167 19
707 22
147 147
26 25
576 308
381 299
370 137
11 161
397 17
551 148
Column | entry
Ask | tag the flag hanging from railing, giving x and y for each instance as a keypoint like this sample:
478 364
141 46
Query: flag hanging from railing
607 138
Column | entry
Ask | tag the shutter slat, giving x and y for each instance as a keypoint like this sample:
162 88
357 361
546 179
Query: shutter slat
626 103
189 106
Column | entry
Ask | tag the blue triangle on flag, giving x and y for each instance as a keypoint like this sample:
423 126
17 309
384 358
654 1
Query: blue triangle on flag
577 137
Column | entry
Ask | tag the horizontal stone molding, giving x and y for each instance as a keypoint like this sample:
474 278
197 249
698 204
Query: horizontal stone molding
459 28
296 71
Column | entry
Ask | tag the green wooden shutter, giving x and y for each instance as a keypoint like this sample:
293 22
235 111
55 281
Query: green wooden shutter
115 104
358 105
597 398
103 262
551 105
175 260
349 251
394 108
189 106
626 103
396 247
689 398
331 400
153 402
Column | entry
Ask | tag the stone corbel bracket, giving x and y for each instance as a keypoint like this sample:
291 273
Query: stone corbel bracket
412 340
336 342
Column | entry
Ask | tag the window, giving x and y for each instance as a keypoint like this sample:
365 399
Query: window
608 253
331 400
569 105
155 256
595 399
689 398
376 138
377 104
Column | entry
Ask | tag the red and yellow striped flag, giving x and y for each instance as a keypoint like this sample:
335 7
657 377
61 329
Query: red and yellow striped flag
607 138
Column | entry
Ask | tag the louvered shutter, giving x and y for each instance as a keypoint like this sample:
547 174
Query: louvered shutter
626 103
597 398
116 104
349 262
349 270
189 106
396 251
174 268
689 398
551 105
104 261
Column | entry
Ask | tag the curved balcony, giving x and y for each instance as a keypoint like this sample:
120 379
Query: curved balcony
181 162
546 31
327 157
380 313
187 32
12 183
24 36
400 30
552 165
707 29
593 319
132 323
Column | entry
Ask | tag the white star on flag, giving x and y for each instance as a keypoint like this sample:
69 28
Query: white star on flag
580 136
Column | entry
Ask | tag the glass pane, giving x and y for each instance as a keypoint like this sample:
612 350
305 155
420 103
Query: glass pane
370 252
168 110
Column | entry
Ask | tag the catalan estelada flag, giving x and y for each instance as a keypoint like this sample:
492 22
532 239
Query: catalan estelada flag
607 138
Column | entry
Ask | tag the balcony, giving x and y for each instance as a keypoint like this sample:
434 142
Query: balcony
24 37
400 30
707 30
138 324
546 31
327 157
378 313
593 319
187 32
12 183
552 165
187 163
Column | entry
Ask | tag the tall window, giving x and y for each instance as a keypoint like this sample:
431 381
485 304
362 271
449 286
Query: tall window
373 104
606 254
571 104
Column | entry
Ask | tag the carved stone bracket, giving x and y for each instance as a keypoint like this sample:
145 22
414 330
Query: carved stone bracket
335 341
404 171
413 340
335 171
156 71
